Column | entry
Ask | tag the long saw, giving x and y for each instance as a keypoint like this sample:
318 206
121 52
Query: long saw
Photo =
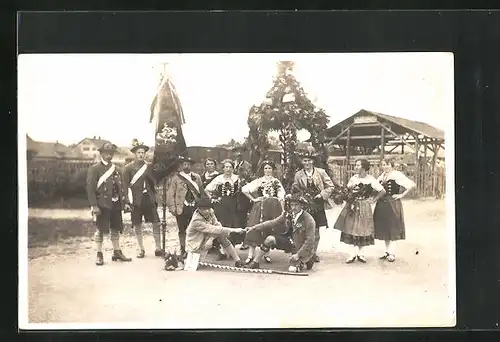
251 270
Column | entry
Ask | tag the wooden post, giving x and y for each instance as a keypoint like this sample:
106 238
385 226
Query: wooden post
433 168
402 148
382 143
164 214
348 154
417 165
425 169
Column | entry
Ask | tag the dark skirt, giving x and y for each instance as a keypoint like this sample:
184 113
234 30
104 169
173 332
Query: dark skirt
268 209
389 220
226 212
319 217
356 225
360 241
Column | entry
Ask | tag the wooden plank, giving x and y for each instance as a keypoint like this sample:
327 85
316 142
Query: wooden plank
382 143
348 151
417 164
366 137
331 142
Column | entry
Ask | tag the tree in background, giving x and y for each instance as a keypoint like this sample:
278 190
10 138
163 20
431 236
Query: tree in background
286 109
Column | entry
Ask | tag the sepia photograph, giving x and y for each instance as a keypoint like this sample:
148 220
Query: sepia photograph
236 191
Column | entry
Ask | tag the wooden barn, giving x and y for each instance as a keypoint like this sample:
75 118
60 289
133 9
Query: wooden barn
415 146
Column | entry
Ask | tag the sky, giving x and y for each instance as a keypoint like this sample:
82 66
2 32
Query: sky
66 97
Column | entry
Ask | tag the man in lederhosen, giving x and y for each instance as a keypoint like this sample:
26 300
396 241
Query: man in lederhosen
185 188
243 169
107 200
315 184
140 184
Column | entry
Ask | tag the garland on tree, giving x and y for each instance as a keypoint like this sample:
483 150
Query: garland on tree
286 109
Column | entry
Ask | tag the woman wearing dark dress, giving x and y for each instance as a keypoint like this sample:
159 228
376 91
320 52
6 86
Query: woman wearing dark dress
356 218
224 190
210 172
206 177
268 197
388 215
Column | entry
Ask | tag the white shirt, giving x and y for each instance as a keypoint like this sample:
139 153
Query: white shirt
296 217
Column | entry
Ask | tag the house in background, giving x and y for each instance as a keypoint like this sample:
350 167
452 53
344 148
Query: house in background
89 148
38 150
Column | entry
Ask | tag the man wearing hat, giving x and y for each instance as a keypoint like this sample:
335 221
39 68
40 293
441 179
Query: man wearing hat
204 228
315 184
292 232
107 200
141 192
243 170
185 188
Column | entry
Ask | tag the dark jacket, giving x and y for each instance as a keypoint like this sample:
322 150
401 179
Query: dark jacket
103 196
303 233
137 189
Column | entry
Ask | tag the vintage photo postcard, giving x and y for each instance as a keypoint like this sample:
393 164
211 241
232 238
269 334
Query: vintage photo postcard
213 191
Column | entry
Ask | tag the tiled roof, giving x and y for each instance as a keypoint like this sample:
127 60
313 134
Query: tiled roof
52 149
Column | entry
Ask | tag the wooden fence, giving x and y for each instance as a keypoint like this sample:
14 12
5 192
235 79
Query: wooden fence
62 179
430 183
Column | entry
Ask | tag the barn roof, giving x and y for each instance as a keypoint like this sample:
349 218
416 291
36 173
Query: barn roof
400 125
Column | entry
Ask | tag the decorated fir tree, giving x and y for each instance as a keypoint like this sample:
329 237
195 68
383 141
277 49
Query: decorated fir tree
286 109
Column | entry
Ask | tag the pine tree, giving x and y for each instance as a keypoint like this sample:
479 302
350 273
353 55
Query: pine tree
286 110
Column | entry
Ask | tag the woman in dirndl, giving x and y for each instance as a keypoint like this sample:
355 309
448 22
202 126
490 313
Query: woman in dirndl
224 190
206 177
356 218
268 197
388 215
210 172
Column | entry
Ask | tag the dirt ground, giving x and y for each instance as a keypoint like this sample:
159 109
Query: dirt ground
65 286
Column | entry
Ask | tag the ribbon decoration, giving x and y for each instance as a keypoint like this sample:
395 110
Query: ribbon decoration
250 270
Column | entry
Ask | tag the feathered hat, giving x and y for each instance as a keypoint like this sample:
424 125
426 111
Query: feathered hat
137 145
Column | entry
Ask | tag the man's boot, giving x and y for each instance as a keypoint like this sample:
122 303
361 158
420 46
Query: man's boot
100 259
118 256
159 253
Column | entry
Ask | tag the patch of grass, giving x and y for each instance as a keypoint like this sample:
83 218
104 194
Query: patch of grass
44 231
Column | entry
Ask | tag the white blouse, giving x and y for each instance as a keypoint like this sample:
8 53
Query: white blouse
368 179
254 186
220 179
399 178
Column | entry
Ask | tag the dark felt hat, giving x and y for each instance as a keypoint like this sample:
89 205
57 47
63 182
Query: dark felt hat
298 198
308 155
183 159
204 203
108 147
137 145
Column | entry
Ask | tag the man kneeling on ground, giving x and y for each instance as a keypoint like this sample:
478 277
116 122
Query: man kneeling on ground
293 233
204 228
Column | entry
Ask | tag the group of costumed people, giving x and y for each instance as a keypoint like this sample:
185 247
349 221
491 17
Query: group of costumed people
216 211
